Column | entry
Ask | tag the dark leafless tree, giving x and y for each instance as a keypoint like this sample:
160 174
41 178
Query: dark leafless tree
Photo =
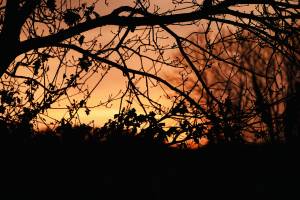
52 51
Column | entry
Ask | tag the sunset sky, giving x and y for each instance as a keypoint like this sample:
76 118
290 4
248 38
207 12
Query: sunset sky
114 80
113 84
219 66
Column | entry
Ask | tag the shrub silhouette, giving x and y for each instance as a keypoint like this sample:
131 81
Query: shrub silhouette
121 130
127 164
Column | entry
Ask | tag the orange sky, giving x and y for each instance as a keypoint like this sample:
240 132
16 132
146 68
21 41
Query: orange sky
114 81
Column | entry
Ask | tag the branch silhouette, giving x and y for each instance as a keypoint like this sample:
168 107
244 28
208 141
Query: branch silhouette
57 54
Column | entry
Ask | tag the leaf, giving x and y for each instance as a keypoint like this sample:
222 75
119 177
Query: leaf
44 57
7 97
85 63
87 111
2 109
71 17
37 64
89 11
81 103
81 39
51 5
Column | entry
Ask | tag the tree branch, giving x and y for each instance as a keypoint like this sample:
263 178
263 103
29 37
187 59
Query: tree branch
133 71
114 19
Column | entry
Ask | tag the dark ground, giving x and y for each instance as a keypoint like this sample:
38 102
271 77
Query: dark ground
119 171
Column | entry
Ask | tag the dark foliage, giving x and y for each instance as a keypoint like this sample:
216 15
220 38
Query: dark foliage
133 170
123 164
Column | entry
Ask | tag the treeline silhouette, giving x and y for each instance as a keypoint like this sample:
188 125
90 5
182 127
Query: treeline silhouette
127 127
122 129
122 165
